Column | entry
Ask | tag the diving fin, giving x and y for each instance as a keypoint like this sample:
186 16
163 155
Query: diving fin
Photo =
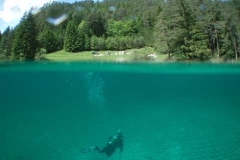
92 148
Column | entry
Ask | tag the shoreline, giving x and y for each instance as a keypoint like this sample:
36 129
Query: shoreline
143 55
148 52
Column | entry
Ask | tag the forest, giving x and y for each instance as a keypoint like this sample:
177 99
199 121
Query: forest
181 29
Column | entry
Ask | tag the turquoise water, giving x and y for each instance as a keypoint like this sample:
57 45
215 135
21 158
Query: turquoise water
50 111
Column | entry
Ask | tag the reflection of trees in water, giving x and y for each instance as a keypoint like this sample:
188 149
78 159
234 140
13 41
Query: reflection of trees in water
94 88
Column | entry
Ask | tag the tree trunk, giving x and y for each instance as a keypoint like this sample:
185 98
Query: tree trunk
218 46
235 46
168 50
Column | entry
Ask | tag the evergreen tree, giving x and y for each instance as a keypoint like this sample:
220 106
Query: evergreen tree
183 29
4 41
25 42
95 22
71 40
233 26
169 30
94 43
162 37
82 34
87 45
197 47
9 44
186 25
60 39
49 41
230 38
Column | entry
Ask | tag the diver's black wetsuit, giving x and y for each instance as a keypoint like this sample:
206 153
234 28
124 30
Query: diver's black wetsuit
112 145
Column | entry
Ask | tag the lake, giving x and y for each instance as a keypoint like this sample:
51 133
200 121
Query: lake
166 111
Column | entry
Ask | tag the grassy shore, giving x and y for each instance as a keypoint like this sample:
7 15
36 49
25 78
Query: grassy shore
114 57
136 56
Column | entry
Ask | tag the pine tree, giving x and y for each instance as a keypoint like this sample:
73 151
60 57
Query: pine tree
25 42
95 23
82 32
87 45
187 25
9 44
197 47
230 38
71 40
169 30
4 41
233 26
182 28
94 43
49 41
161 33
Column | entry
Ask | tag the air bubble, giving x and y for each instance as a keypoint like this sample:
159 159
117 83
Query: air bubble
95 86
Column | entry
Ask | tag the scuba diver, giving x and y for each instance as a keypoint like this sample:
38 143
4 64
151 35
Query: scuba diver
113 143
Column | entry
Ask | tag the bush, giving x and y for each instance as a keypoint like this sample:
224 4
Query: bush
142 54
111 43
97 43
229 55
139 42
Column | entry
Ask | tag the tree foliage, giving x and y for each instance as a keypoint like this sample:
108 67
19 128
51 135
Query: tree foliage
197 29
25 42
49 41
6 42
184 29
71 40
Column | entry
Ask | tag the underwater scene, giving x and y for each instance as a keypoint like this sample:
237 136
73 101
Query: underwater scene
167 111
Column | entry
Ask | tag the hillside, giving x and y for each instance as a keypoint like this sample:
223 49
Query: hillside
182 29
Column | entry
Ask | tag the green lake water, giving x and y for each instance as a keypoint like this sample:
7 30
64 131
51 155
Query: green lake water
172 111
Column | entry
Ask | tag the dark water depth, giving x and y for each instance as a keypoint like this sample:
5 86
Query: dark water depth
173 112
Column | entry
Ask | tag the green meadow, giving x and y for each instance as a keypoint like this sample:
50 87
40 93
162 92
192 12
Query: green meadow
114 56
